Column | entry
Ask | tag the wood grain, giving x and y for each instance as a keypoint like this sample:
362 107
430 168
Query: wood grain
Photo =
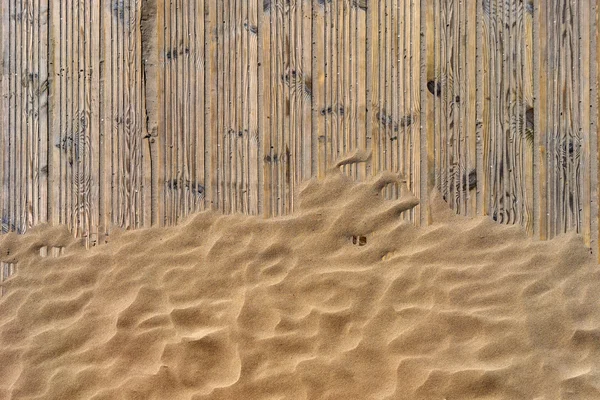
136 113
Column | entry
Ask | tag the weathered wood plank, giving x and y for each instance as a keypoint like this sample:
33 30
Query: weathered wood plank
44 116
423 174
4 104
95 69
480 92
594 121
319 134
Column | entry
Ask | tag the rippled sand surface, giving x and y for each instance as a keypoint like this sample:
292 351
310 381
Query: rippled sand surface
237 307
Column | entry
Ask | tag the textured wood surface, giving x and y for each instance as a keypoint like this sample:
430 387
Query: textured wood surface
141 112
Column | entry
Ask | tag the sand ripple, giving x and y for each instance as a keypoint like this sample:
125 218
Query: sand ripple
236 307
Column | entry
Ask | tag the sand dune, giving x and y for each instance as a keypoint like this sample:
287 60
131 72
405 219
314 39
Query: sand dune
339 301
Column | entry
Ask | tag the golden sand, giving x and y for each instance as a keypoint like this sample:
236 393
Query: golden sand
341 300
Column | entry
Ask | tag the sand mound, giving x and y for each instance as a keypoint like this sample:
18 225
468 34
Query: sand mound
341 301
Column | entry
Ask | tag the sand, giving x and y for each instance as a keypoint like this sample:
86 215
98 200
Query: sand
342 300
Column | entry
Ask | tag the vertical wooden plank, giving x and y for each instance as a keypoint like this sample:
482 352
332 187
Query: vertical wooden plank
44 116
232 103
318 86
433 88
171 163
18 114
14 104
254 99
196 105
261 108
75 117
249 93
349 95
594 79
167 134
157 132
465 105
560 160
188 81
577 174
297 91
4 105
29 104
164 101
369 170
510 145
22 116
226 159
423 159
239 108
404 141
218 143
479 86
115 117
336 81
455 122
141 154
314 107
189 69
265 35
496 113
414 139
117 186
80 134
393 93
105 117
217 106
584 22
60 150
378 89
147 111
210 53
223 135
175 179
96 65
129 148
550 121
60 59
360 78
306 90
286 116
33 210
386 106
10 124
326 87
276 113
540 124
248 46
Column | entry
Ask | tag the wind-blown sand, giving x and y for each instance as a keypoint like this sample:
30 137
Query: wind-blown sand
237 307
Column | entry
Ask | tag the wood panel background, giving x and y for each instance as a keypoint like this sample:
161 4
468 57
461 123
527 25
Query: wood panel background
141 112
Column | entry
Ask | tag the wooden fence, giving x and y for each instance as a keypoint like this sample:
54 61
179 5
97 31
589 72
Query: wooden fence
140 112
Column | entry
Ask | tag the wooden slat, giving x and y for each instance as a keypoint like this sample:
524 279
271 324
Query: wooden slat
43 88
594 115
197 104
480 90
21 158
158 141
210 107
423 172
368 141
4 105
